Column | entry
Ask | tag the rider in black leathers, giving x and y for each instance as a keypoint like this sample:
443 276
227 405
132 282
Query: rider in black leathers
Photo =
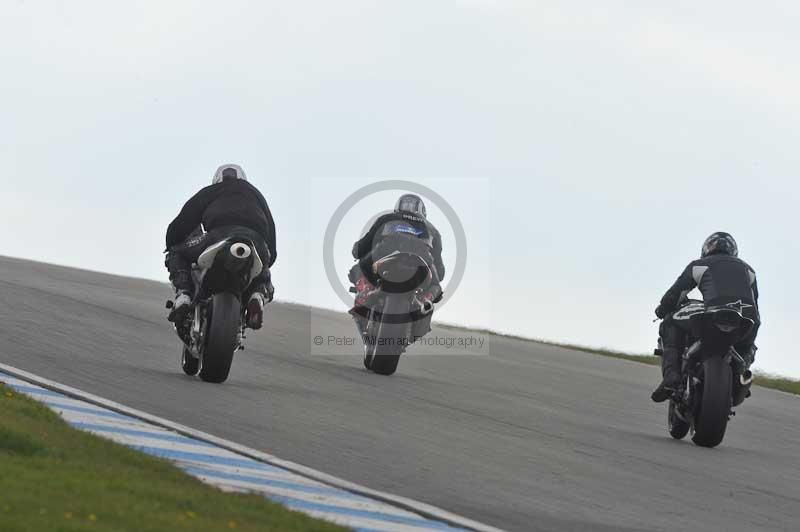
723 279
405 229
230 206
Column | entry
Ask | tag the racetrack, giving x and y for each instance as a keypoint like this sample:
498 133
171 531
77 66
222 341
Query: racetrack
529 437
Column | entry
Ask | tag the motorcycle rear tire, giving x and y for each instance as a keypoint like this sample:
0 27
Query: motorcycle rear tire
390 336
367 339
223 336
369 354
715 407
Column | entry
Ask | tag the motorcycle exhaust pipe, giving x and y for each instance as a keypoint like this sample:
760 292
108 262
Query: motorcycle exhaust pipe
741 390
237 257
241 251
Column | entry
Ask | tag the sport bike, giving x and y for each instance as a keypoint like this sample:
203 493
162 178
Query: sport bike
213 328
715 377
394 309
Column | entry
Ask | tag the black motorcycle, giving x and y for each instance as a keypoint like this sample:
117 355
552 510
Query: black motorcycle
715 376
394 308
213 328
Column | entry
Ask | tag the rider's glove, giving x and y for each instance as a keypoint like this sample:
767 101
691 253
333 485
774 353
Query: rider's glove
660 312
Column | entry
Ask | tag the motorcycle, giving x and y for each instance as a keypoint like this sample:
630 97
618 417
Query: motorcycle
214 327
393 308
715 377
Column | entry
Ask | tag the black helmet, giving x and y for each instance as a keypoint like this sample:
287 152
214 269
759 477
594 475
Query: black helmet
411 203
720 244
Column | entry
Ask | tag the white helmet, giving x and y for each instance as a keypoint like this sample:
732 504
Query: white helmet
228 171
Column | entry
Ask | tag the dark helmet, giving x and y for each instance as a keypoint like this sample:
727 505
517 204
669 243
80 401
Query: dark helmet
411 203
720 244
228 171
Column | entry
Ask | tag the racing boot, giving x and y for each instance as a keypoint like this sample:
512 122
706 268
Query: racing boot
182 281
749 355
262 293
670 367
255 310
364 289
180 307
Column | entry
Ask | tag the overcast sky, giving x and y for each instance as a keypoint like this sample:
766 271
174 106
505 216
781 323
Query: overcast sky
588 150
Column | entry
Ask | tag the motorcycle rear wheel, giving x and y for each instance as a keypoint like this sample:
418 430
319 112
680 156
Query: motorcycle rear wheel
225 321
367 339
369 354
388 346
715 407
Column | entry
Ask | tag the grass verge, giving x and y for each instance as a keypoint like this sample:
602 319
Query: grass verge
56 478
777 383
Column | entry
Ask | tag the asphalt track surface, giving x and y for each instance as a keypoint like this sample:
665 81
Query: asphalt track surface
527 437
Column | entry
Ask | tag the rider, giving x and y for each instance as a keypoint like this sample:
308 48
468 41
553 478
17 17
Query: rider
723 279
405 229
229 206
